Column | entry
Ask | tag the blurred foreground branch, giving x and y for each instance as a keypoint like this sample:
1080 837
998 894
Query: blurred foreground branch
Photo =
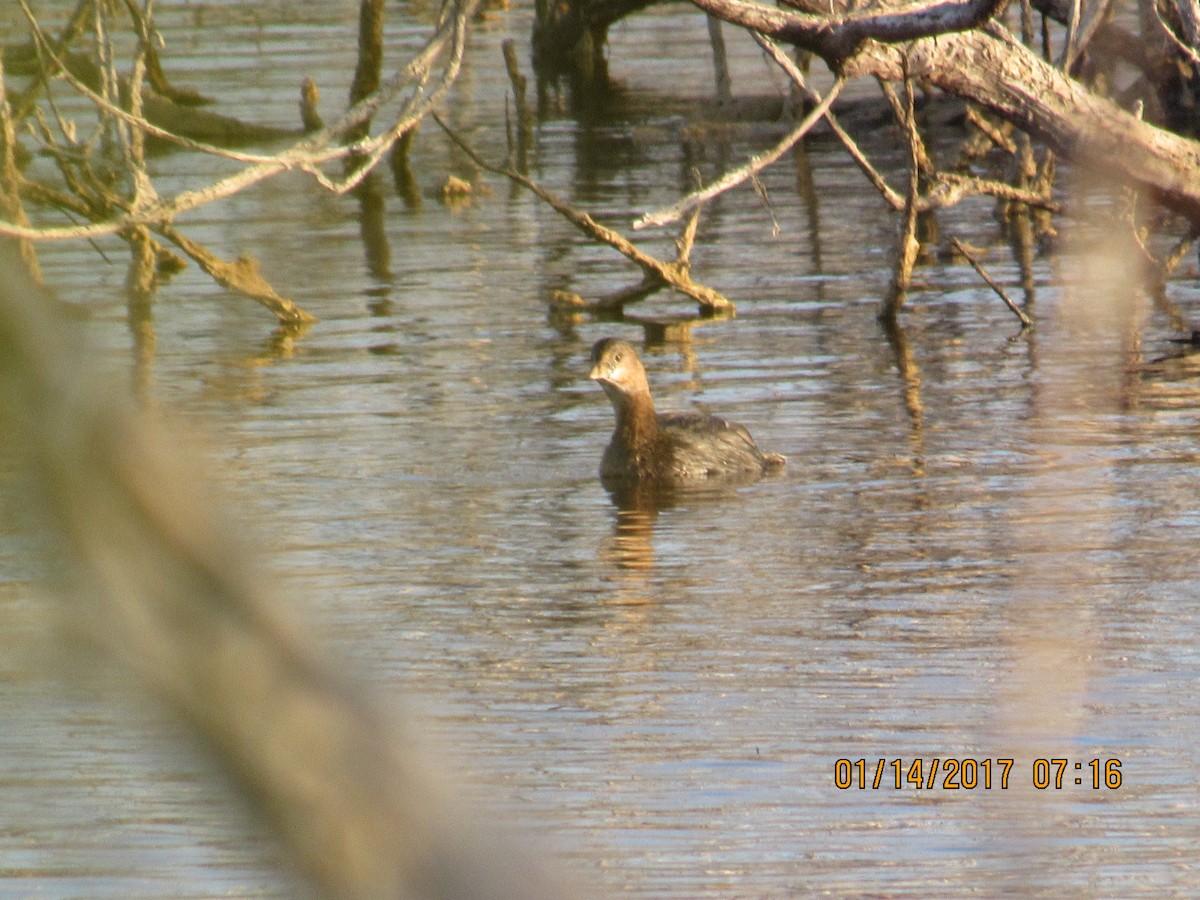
170 592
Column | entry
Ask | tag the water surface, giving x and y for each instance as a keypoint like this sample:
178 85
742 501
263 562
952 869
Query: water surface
981 547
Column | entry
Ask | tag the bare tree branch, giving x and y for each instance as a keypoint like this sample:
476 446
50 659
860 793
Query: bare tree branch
1000 292
836 38
894 200
756 164
306 155
989 67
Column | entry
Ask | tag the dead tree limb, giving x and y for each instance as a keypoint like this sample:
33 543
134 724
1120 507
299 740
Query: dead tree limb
569 37
724 82
120 107
837 39
656 274
947 188
10 179
996 136
907 246
990 67
519 146
242 275
894 200
369 69
312 152
155 75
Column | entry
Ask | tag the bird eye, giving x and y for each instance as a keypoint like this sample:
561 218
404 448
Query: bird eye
616 357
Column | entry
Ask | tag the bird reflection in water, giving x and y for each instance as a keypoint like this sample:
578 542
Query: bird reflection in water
638 505
632 545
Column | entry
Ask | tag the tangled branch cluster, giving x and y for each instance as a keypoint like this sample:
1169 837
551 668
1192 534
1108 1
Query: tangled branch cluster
1032 104
104 179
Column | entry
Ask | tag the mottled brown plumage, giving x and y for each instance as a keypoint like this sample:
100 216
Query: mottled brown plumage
667 448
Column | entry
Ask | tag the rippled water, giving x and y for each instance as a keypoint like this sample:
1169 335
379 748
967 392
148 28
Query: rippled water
982 546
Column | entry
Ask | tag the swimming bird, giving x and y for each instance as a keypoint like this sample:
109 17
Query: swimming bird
666 448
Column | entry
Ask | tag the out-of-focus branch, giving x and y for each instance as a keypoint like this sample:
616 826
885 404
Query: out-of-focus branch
172 593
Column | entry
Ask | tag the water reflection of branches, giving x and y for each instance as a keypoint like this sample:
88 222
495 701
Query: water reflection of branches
910 375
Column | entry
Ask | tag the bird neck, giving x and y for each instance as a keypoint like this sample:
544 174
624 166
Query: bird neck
637 421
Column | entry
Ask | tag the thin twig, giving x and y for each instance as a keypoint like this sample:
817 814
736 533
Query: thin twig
518 147
994 134
1000 292
143 188
27 101
720 62
10 179
950 188
894 200
908 246
687 235
420 102
905 113
756 164
1068 51
687 238
1097 16
1177 253
1180 44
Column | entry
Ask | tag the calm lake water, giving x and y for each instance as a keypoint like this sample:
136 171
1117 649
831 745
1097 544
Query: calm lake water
982 547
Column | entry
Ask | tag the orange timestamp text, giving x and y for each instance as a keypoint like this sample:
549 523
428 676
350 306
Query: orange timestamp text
968 773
